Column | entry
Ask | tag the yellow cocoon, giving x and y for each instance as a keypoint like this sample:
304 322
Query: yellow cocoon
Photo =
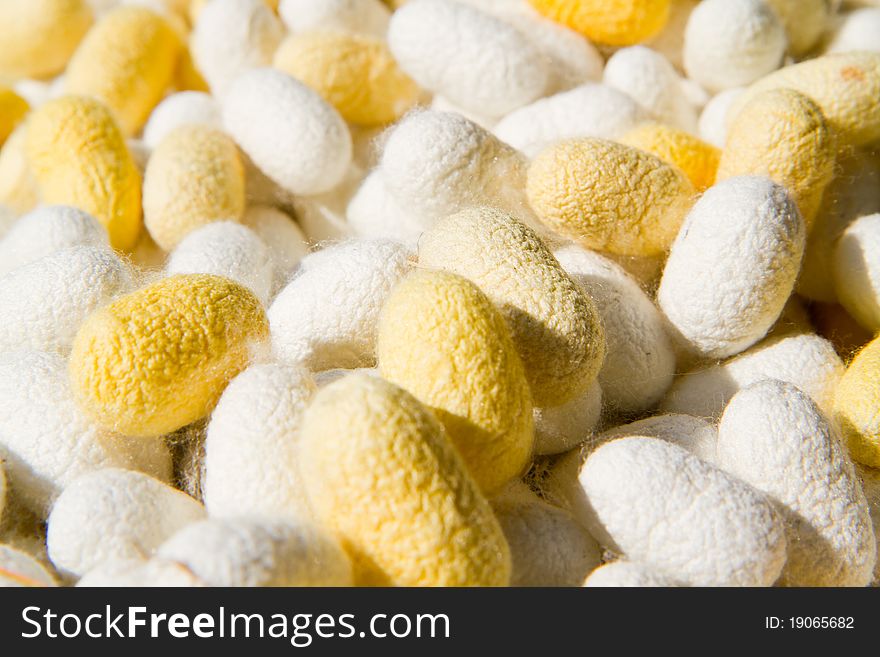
127 61
857 405
783 135
18 189
441 339
12 110
194 177
845 86
159 358
355 73
608 22
555 326
79 157
40 35
697 159
608 196
381 473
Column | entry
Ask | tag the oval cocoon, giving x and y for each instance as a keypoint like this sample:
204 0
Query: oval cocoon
555 326
441 339
658 505
773 437
432 527
733 266
158 358
607 196
611 23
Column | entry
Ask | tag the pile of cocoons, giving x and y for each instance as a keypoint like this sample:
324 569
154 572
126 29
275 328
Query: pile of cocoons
439 293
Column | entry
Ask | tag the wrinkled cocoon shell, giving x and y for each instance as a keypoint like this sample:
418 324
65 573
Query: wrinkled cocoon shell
228 249
711 529
856 402
258 552
548 547
845 86
45 302
373 213
697 159
733 266
193 178
327 316
127 62
590 110
182 108
694 434
555 326
475 60
804 21
714 117
648 78
431 527
47 442
40 35
639 360
18 188
608 196
18 569
856 266
437 163
284 238
871 487
295 137
134 573
252 446
783 135
731 43
361 16
857 31
773 437
626 574
79 157
158 359
115 514
609 22
806 361
559 428
46 230
231 37
442 339
356 74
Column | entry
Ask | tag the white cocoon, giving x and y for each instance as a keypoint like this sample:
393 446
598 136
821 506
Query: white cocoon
713 118
856 267
44 302
774 437
18 569
280 233
857 31
259 552
46 230
327 315
292 134
656 504
732 266
226 248
182 108
373 213
731 43
233 36
560 428
134 573
694 434
477 61
251 457
625 574
639 360
806 361
115 514
590 110
360 16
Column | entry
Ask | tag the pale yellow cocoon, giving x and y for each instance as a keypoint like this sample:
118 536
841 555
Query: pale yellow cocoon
127 61
159 358
18 188
441 339
40 35
357 74
845 86
697 159
608 196
194 177
856 405
783 135
608 22
555 326
79 157
12 110
384 476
